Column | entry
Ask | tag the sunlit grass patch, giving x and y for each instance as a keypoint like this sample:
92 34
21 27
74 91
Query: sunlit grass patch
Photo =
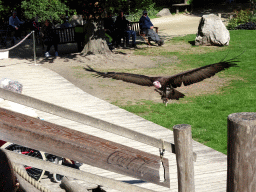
207 113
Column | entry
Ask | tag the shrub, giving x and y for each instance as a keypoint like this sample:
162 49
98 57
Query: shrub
137 15
241 17
44 9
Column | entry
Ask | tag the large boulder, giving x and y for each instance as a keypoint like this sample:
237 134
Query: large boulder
163 12
212 31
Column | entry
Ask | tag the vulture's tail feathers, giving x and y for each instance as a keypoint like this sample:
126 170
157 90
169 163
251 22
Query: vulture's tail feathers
89 69
231 62
98 74
174 94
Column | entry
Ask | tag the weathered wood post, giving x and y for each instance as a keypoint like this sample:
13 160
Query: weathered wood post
184 157
241 175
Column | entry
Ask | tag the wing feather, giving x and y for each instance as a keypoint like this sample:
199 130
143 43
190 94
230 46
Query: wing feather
127 77
199 74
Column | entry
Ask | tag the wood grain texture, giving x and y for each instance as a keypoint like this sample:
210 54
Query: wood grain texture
64 142
184 157
241 152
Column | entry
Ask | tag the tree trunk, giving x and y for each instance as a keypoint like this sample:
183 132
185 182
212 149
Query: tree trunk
95 42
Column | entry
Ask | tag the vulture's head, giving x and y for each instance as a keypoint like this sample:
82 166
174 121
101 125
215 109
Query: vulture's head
157 84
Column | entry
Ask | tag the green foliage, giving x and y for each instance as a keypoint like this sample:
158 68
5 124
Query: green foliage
1 6
44 9
135 16
253 19
241 17
207 113
143 4
5 10
232 24
189 2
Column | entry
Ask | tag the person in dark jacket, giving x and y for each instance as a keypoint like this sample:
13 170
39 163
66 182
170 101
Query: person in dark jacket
148 28
50 38
122 27
109 26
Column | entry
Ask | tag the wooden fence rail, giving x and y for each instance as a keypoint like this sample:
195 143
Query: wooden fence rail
68 143
64 142
86 119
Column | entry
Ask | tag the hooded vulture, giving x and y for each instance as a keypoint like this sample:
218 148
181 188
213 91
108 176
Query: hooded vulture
165 86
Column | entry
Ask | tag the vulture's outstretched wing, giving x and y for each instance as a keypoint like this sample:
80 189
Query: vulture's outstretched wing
199 74
127 77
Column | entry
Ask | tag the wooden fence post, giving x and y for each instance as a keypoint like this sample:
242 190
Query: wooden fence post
184 157
241 176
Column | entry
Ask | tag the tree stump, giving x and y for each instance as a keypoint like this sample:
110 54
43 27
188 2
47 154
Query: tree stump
95 42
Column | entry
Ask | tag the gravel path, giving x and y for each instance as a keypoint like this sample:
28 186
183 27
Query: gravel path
175 25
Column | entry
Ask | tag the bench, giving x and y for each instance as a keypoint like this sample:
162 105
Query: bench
70 35
181 5
6 34
135 26
3 36
66 35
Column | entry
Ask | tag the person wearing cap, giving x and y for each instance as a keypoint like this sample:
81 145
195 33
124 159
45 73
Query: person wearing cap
122 29
15 23
147 27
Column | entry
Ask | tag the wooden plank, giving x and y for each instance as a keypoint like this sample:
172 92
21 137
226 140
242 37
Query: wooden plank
85 119
179 5
72 186
88 149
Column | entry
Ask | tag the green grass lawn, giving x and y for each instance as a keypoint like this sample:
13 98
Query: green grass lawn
207 114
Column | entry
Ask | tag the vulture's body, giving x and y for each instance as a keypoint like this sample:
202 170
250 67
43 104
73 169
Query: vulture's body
165 86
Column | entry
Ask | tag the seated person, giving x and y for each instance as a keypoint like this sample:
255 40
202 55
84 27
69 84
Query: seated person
148 28
109 26
49 38
66 24
14 24
122 28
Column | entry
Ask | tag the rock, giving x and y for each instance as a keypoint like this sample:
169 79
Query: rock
163 12
212 31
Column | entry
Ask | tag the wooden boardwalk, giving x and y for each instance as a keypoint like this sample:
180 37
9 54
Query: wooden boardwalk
44 84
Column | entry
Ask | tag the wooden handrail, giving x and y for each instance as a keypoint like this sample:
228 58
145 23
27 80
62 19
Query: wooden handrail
64 142
86 119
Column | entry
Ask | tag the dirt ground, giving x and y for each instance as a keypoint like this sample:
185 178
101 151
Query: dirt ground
70 65
120 92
